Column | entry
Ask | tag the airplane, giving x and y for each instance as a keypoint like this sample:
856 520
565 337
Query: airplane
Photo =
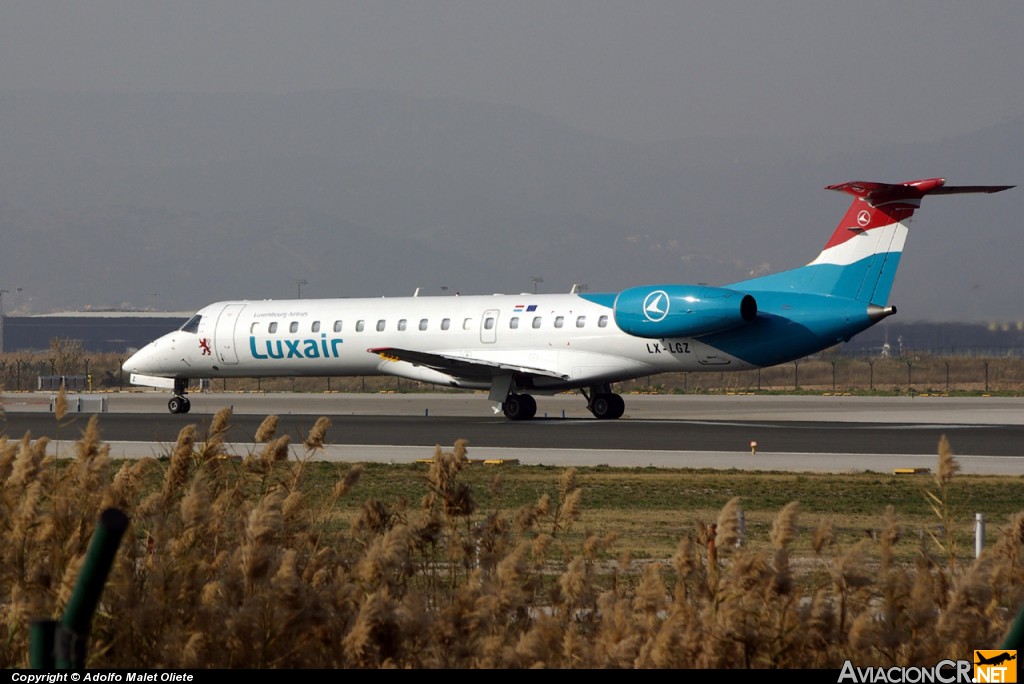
997 659
518 346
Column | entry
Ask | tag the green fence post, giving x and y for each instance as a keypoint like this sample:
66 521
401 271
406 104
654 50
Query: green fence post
41 637
77 619
1015 637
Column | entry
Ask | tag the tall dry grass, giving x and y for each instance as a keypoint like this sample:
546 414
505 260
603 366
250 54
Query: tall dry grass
245 562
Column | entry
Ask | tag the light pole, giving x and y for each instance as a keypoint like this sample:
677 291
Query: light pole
536 280
299 282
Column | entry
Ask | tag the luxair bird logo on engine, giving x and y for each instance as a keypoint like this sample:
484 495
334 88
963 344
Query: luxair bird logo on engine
673 311
297 349
656 306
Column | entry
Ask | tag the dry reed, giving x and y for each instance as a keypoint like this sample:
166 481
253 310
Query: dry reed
233 563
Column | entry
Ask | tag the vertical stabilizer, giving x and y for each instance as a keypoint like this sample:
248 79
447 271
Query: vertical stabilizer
859 261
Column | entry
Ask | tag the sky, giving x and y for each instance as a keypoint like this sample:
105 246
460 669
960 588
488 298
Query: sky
822 75
893 70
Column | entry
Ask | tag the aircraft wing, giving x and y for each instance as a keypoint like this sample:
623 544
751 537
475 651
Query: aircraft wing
476 369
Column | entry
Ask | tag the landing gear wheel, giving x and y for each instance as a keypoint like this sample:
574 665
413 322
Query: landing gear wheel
607 406
519 407
179 405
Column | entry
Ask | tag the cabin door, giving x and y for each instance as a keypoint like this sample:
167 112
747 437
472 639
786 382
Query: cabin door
224 335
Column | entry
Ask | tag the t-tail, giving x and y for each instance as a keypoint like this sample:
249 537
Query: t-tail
860 259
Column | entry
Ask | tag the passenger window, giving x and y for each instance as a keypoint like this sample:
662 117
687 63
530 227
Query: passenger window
401 324
602 322
446 323
337 326
489 323
272 328
513 322
423 324
559 320
536 321
192 325
294 327
254 328
360 325
467 324
316 326
380 325
581 321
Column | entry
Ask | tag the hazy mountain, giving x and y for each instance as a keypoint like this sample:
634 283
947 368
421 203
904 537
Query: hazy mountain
172 201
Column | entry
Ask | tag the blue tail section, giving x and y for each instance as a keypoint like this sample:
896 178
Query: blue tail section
859 261
788 315
846 288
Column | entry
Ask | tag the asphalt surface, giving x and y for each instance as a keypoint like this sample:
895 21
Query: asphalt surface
799 433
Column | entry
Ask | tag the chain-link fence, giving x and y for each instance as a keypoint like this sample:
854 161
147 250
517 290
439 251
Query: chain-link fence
917 374
826 373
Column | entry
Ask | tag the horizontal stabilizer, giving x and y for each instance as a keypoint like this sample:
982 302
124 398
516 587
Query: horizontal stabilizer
961 189
880 193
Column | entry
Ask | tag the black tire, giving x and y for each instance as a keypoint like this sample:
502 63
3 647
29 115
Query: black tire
519 407
608 406
186 405
529 409
176 405
618 406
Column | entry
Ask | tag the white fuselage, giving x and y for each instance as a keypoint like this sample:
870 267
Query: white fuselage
575 342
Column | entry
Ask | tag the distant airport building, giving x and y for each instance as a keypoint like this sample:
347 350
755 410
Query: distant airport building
98 331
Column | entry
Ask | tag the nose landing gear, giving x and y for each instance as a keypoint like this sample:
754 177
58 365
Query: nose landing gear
179 403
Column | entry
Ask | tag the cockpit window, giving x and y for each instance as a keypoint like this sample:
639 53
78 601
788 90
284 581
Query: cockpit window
192 326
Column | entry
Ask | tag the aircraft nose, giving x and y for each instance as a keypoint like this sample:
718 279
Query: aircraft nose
141 361
131 364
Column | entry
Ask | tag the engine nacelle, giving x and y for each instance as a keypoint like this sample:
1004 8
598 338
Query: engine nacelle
664 311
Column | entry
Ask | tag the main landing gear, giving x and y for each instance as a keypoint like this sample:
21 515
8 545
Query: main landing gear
519 407
179 403
601 401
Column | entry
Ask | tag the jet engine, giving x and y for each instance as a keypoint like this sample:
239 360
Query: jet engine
665 311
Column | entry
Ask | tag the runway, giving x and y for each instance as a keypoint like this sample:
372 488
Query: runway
789 433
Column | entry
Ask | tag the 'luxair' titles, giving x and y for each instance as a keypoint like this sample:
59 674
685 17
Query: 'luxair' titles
322 348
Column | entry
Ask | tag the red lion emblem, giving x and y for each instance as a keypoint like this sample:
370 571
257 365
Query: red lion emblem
204 344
